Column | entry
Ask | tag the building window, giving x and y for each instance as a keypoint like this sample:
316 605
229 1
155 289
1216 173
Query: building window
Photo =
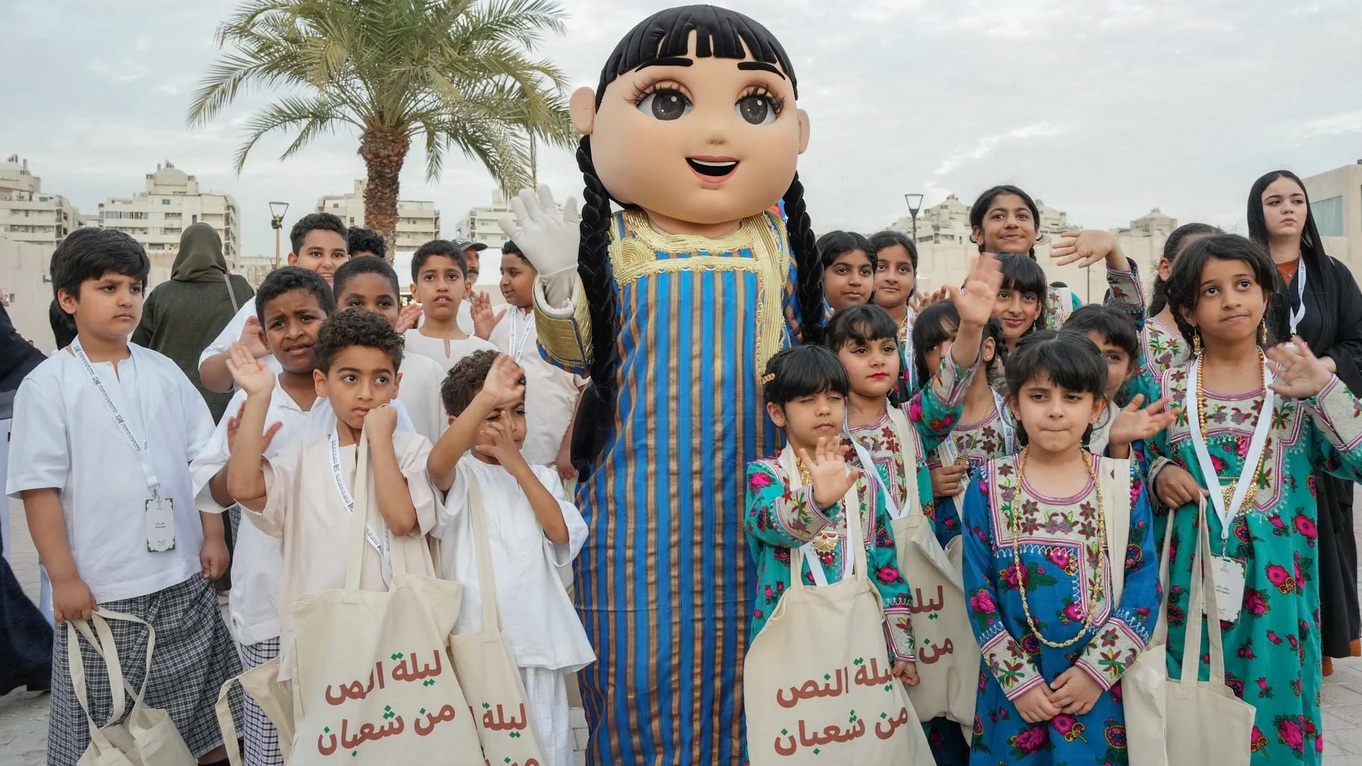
1328 215
165 200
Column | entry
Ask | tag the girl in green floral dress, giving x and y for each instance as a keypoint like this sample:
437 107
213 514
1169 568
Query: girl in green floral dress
1256 420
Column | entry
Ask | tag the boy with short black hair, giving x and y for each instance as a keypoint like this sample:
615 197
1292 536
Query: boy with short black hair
370 284
294 494
550 393
439 274
536 534
366 242
291 305
103 431
320 243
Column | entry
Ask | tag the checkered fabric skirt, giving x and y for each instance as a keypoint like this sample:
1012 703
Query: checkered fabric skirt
195 655
259 736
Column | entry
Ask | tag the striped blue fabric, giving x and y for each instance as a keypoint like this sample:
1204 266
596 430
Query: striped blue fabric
664 582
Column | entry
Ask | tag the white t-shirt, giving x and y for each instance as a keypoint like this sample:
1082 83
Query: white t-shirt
232 334
419 394
65 438
540 622
258 561
446 352
550 392
304 508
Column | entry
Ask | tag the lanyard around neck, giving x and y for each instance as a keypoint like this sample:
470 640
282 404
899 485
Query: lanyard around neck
1255 451
142 447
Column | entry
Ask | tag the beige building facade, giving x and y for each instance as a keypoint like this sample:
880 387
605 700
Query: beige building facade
1336 207
29 214
172 201
482 224
947 222
418 222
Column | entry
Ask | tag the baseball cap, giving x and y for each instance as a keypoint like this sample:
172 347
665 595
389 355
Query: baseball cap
464 244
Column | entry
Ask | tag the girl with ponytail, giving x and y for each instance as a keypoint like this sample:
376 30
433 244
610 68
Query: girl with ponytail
672 306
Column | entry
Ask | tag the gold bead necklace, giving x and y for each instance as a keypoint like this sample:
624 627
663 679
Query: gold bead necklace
1021 570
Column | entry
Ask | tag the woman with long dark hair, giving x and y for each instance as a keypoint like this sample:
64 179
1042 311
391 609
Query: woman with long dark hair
1319 302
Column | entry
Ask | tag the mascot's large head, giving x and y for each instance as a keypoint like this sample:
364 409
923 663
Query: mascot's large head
694 123
694 120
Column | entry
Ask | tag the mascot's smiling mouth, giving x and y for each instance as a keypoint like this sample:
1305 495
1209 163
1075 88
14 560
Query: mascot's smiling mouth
713 167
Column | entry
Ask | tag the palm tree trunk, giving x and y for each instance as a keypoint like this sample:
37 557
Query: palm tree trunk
383 155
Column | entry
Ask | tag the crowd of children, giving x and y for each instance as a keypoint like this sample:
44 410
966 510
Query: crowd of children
1048 445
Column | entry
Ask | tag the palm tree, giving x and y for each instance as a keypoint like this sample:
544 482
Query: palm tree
455 74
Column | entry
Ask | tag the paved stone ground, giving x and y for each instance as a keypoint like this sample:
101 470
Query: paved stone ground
23 715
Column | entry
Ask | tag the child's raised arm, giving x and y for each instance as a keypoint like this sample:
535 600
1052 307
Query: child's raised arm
974 302
545 505
390 486
505 384
245 470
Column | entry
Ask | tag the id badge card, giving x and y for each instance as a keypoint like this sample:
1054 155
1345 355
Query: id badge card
160 521
1229 587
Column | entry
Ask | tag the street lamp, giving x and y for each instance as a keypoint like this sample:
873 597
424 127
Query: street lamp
277 212
914 205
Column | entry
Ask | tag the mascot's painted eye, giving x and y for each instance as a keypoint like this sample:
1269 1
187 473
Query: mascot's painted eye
665 104
758 109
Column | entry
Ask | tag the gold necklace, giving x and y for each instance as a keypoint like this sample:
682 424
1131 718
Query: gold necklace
1227 490
826 539
1021 570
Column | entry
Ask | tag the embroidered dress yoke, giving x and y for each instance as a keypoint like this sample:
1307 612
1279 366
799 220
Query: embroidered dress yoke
932 412
1060 574
663 583
1272 650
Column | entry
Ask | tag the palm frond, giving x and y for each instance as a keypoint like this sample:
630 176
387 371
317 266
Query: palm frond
458 75
310 117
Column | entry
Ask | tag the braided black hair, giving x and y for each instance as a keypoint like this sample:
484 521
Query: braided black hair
597 407
808 265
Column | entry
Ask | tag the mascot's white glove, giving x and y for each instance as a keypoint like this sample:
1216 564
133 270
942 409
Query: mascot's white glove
549 236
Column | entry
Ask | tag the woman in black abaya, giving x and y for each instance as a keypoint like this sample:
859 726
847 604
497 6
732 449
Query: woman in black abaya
1318 300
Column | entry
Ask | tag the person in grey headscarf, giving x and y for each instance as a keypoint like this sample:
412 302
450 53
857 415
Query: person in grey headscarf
182 316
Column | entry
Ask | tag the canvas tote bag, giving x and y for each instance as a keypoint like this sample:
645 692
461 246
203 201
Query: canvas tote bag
147 737
272 696
817 685
1186 721
947 654
374 683
486 666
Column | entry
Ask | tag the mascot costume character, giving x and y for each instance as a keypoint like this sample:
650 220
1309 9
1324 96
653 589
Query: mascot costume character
672 306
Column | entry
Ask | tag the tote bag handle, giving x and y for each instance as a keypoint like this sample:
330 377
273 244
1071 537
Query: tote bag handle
482 548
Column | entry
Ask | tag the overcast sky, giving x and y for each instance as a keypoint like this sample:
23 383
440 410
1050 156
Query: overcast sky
1102 109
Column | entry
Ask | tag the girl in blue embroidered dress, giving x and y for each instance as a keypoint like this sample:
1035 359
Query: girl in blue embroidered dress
1038 571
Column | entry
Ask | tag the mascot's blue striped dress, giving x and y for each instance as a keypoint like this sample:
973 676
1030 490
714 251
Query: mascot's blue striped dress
663 584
